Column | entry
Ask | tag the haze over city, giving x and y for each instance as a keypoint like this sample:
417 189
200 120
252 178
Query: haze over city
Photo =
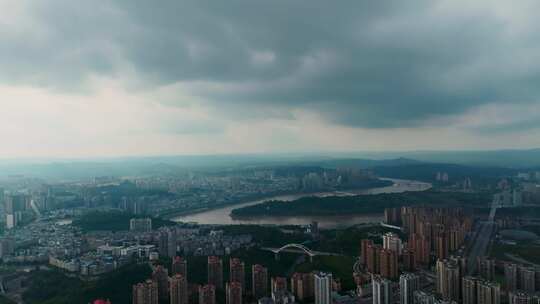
269 152
117 78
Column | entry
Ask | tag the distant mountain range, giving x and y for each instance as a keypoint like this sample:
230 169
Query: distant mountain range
501 161
366 163
500 158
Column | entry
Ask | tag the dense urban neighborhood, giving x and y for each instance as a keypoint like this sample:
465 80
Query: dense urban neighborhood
455 241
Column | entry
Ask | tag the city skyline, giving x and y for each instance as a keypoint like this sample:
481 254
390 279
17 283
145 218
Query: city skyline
191 77
274 234
269 152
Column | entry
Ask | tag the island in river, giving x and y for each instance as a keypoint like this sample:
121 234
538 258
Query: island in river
361 204
222 215
364 185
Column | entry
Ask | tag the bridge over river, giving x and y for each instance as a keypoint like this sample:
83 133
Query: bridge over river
298 248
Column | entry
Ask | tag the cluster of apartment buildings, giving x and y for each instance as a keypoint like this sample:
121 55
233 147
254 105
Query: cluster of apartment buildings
452 286
193 241
522 283
433 234
451 282
382 260
173 286
431 230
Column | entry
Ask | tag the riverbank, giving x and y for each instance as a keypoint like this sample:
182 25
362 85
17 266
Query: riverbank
357 205
222 216
170 215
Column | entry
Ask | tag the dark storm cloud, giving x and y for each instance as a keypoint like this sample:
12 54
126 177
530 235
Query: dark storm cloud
374 64
528 125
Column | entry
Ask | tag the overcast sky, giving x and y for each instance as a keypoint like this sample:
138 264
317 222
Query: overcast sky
114 78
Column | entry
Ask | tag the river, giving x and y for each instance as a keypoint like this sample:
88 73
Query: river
221 216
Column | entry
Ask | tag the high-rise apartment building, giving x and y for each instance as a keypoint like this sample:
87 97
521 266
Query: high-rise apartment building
448 280
178 287
527 279
409 260
520 297
442 249
408 284
14 205
422 297
160 275
236 271
179 266
438 230
392 242
233 293
140 224
7 247
278 285
215 272
421 246
364 243
392 216
145 293
259 281
382 291
537 277
279 291
461 262
279 298
521 278
488 293
511 276
323 288
372 258
207 294
469 290
486 268
388 263
302 285
167 242
297 287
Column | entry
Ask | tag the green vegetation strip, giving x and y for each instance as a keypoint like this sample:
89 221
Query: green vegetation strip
363 204
54 287
523 249
4 300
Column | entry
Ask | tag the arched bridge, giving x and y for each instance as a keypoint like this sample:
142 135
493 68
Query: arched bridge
294 246
297 248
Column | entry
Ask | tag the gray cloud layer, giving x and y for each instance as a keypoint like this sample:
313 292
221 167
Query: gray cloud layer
372 64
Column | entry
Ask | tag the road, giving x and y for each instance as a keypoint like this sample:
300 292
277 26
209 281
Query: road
482 238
